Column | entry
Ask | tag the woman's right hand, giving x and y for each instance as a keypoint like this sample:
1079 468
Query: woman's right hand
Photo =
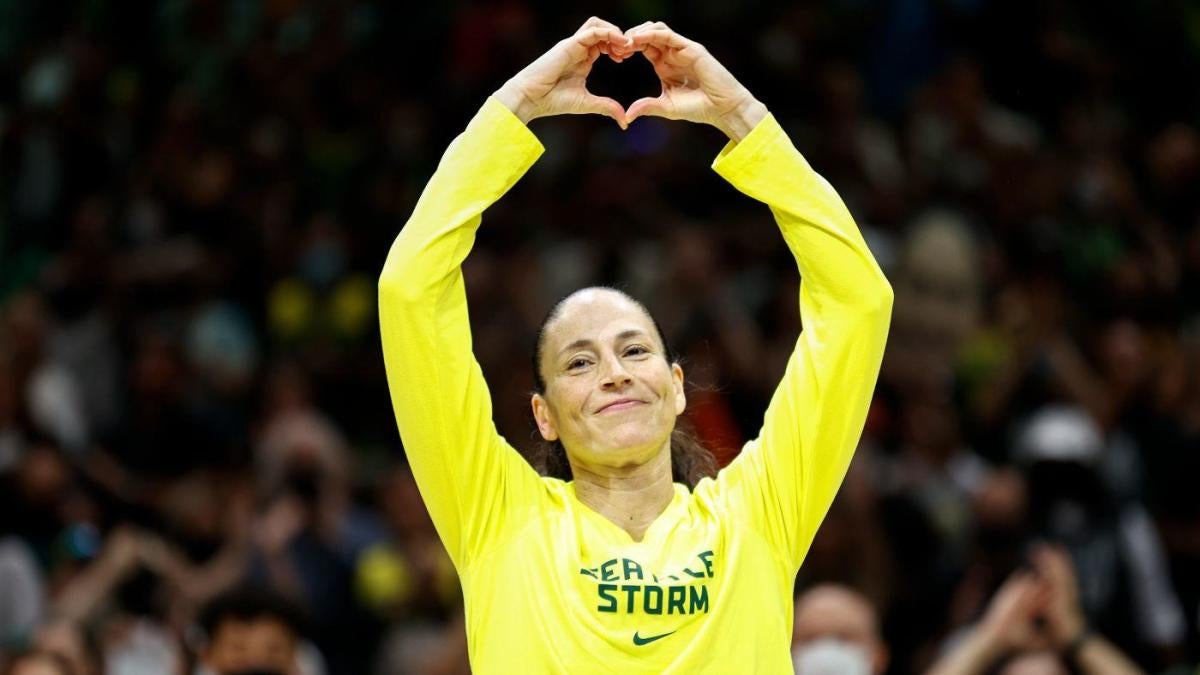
1010 621
556 83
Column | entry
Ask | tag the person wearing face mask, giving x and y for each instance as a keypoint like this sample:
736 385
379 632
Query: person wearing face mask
627 554
836 632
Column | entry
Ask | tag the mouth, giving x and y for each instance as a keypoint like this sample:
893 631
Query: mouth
620 404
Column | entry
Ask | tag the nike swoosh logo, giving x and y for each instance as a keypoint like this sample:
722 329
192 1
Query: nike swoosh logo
640 641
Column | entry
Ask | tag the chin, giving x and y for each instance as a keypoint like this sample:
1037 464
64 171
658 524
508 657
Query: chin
629 450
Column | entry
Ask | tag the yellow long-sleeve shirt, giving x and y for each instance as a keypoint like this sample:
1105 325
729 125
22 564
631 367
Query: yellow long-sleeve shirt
550 585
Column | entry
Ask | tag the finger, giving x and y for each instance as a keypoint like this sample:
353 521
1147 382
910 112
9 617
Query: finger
606 106
1058 563
1012 589
1043 596
660 38
1031 595
598 34
647 25
596 21
656 106
624 51
623 44
640 27
623 48
1047 563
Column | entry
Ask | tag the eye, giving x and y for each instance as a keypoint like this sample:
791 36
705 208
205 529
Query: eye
575 364
636 350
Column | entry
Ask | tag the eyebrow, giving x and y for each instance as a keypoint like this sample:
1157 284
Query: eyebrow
585 342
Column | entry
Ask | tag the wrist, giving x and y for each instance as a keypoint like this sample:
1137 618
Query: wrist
739 122
1071 648
985 646
516 101
1068 630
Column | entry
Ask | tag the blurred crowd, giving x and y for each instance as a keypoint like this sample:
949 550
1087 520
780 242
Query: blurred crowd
197 452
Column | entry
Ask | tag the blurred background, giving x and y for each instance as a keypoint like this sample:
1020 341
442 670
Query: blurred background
196 199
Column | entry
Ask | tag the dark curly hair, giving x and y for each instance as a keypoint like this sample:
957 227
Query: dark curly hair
690 460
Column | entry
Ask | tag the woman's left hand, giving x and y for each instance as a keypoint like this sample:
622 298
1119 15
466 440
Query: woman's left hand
1065 621
695 86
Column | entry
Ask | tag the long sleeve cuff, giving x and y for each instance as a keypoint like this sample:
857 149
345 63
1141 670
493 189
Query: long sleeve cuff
766 138
504 127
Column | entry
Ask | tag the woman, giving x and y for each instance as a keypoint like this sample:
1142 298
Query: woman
621 569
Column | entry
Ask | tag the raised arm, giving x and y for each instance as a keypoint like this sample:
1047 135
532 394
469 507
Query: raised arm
474 483
789 475
784 481
1036 615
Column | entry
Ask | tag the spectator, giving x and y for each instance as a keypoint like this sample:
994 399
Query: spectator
250 630
1121 564
1035 625
836 630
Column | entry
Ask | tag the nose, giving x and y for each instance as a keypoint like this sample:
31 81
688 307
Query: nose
614 375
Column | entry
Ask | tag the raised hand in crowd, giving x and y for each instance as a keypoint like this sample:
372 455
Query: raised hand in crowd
1035 617
1066 626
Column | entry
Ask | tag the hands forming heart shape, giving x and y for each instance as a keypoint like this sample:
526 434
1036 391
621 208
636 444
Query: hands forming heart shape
695 86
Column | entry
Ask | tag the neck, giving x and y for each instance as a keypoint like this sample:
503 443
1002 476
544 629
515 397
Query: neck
631 497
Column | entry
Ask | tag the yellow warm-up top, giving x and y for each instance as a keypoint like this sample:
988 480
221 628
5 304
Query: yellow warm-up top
550 585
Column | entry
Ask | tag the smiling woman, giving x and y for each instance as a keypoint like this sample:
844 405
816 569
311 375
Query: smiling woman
627 554
638 345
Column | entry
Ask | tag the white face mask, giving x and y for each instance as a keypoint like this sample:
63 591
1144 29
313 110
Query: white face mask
829 656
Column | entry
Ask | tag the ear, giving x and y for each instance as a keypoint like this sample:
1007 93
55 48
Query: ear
541 415
677 383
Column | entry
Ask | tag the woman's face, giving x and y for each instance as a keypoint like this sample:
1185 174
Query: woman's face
611 396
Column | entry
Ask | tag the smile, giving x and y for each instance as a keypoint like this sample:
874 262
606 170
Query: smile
623 405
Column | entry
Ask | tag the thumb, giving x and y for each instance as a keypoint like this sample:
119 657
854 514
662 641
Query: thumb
656 106
606 106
